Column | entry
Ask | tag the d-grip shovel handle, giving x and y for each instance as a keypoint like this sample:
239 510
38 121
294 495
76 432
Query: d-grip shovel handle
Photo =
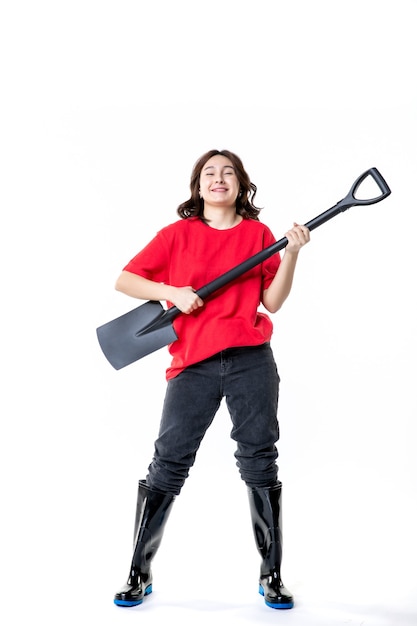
348 201
351 200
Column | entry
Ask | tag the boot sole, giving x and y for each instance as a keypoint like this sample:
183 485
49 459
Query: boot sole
148 590
279 605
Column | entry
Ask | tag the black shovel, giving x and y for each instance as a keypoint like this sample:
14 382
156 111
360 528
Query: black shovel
148 327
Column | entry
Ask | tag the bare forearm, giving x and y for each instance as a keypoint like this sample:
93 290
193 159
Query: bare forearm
184 298
142 288
280 288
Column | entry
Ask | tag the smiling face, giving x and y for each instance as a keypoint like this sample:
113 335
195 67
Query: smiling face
219 185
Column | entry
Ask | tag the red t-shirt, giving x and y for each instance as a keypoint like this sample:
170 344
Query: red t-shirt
189 252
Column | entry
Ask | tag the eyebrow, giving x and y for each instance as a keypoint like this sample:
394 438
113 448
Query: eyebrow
224 167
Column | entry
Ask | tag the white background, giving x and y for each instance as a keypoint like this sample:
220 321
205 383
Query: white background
105 108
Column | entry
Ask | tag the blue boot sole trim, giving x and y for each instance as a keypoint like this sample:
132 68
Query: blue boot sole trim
289 605
282 605
148 590
127 602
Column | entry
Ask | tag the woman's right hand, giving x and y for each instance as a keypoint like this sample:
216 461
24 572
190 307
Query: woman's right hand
186 299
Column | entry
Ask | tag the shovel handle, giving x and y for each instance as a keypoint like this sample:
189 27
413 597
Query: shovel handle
348 201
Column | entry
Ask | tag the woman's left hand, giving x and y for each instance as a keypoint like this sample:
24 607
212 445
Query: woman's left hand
297 237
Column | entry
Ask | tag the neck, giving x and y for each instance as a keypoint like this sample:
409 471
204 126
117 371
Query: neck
221 218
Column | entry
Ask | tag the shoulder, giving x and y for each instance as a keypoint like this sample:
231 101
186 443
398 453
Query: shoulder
175 229
258 228
180 226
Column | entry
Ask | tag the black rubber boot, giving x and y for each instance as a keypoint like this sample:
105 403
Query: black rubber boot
152 511
265 507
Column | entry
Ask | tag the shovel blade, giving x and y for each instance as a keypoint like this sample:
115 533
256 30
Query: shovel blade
119 338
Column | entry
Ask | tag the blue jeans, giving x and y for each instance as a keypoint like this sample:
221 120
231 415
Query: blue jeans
248 380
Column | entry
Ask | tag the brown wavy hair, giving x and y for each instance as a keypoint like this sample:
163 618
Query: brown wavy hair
194 206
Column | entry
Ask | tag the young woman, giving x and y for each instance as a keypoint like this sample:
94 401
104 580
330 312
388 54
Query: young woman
222 350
